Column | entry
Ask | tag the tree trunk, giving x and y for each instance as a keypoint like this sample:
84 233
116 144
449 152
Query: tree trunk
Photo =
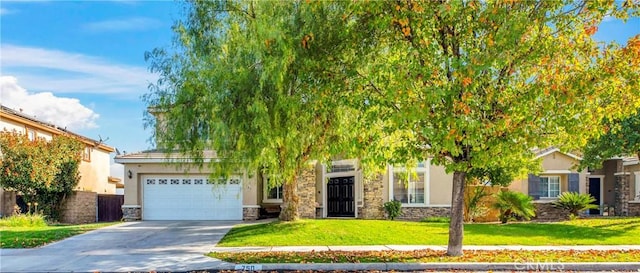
456 228
290 200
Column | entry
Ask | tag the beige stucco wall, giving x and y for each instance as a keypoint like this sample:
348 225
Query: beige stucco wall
133 186
440 186
94 174
550 163
11 125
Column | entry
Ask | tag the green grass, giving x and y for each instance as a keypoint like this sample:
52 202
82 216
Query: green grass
604 231
33 236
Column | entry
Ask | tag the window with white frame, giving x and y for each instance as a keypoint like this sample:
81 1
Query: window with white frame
410 187
86 153
549 186
274 194
32 134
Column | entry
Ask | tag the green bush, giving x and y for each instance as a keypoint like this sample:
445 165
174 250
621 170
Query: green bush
393 209
436 220
513 204
575 202
24 220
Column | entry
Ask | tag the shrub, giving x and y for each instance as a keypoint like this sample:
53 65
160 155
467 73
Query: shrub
473 206
393 209
436 220
513 204
575 202
24 220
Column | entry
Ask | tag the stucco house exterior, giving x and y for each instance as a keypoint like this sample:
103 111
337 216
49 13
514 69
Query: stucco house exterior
94 168
157 188
168 186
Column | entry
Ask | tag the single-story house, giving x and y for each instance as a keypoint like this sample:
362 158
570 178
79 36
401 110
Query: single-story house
157 188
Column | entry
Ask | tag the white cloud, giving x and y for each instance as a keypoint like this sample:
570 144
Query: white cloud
42 69
117 170
4 11
45 106
608 18
125 24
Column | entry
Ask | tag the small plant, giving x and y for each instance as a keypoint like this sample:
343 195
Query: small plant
436 220
575 202
514 205
473 206
393 209
24 220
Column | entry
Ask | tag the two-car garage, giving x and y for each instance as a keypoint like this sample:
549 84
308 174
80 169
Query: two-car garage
186 197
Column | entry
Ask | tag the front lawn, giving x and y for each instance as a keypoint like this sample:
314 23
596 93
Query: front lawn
601 231
26 237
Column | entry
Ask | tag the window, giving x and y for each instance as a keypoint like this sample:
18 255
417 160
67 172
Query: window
31 133
549 186
410 187
86 154
272 194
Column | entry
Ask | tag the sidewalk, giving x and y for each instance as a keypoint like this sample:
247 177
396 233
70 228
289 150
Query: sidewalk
407 267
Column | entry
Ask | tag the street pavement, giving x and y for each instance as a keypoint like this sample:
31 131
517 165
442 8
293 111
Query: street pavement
179 246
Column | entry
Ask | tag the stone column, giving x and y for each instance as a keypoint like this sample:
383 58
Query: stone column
372 199
622 190
307 192
131 213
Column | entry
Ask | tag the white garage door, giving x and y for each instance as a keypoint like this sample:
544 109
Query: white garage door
190 198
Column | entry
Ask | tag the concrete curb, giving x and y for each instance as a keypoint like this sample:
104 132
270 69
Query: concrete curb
543 266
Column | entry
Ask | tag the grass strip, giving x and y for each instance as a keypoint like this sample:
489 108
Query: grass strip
28 237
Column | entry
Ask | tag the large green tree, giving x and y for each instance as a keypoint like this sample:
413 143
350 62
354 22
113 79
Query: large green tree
254 81
480 84
43 171
621 138
476 85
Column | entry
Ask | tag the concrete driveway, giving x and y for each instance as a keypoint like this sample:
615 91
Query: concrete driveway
133 246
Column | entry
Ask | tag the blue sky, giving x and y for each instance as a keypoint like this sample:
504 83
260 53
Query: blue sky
81 63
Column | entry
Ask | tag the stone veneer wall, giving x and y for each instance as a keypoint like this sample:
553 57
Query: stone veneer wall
80 208
131 213
419 213
634 208
547 212
8 202
372 200
249 214
307 192
622 191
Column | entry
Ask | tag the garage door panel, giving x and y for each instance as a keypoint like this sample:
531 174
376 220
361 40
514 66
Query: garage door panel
182 198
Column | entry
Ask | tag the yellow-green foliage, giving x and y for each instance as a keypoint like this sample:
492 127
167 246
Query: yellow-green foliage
24 220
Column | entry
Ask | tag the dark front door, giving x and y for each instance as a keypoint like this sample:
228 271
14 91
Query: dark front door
594 190
340 197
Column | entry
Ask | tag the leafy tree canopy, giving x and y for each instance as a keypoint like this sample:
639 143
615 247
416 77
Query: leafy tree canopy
622 138
477 85
42 171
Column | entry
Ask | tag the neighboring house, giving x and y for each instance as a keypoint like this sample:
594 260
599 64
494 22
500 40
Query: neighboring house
94 167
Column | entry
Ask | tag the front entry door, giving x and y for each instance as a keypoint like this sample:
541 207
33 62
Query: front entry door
594 190
341 197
